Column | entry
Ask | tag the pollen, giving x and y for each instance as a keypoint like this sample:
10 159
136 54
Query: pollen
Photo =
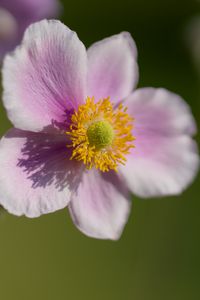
101 135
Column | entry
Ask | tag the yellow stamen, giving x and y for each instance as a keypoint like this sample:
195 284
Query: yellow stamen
101 135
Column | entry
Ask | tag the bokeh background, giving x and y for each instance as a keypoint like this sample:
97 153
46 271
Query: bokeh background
158 255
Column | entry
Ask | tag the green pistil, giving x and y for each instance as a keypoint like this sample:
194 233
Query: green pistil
100 134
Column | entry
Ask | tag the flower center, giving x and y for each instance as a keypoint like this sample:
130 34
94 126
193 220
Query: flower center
100 135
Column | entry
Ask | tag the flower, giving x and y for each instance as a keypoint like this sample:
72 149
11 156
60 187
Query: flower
82 137
17 15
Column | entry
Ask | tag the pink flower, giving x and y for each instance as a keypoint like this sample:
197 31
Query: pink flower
16 15
68 144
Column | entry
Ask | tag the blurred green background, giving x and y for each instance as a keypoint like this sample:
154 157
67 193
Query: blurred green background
158 255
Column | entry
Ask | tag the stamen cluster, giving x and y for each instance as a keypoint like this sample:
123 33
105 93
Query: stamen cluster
100 135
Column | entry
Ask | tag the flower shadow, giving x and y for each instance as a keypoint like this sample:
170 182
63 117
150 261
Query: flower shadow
45 159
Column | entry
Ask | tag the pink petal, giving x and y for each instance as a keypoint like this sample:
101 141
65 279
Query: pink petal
100 207
45 76
36 175
165 159
113 70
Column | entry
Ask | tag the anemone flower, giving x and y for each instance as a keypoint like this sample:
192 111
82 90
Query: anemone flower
16 15
83 138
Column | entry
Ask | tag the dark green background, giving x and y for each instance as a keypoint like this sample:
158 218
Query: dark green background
158 255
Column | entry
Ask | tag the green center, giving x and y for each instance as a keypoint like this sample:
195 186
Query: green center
100 134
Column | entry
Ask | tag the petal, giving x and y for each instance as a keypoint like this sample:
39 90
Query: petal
165 159
100 207
113 70
45 76
36 175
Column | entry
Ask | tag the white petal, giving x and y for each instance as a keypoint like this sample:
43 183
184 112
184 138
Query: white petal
113 70
45 76
36 175
165 158
100 206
